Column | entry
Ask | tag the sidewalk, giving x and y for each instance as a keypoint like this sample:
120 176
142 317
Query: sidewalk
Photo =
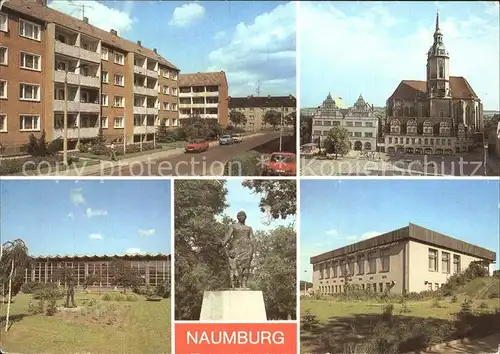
124 162
485 345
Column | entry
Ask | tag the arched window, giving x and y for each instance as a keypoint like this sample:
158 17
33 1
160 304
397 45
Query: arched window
395 126
444 129
411 127
427 127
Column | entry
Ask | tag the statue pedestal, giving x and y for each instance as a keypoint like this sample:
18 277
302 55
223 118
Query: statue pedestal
239 305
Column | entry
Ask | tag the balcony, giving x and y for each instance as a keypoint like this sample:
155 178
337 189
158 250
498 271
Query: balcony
77 52
140 110
85 133
144 129
199 94
145 72
90 81
141 90
75 79
90 107
75 106
198 105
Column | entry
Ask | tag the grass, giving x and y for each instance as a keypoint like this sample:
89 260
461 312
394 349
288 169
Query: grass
143 327
164 147
60 168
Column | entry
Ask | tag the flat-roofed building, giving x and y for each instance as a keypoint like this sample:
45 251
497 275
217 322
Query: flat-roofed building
255 107
204 95
153 268
410 259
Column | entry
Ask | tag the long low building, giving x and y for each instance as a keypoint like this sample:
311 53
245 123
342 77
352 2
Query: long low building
153 268
410 259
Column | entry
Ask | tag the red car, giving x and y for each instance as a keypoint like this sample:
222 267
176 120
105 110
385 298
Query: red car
198 145
281 164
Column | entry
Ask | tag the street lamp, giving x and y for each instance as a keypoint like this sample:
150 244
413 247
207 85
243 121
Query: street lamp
65 132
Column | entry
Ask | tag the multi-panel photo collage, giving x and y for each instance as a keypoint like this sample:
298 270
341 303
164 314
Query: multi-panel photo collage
238 177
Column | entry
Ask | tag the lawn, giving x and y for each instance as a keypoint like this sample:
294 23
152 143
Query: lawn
140 327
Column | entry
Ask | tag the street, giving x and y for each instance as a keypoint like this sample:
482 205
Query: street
208 163
415 165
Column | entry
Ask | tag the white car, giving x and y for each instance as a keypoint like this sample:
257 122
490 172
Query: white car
237 138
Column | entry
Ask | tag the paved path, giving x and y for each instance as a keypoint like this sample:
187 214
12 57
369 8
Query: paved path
177 163
486 345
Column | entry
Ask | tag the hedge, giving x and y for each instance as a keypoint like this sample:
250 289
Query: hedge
245 164
102 149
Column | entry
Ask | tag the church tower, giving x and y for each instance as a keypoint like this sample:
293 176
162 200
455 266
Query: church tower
438 67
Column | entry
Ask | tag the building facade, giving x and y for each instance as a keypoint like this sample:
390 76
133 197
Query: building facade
255 107
154 269
438 116
410 259
204 95
359 120
112 83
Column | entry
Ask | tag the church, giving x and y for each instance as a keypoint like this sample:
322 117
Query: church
439 116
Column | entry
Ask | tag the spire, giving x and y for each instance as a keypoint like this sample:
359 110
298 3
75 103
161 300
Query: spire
437 20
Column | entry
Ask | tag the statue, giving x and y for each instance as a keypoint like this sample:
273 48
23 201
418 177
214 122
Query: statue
239 245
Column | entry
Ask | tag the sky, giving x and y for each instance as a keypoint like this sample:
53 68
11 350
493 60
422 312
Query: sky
353 48
241 198
336 213
250 41
87 217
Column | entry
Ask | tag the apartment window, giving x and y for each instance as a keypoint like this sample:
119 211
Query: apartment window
119 58
433 259
3 89
3 123
104 122
118 122
166 106
4 22
456 264
445 262
174 106
385 257
30 123
29 30
4 56
165 73
119 101
165 90
174 75
174 91
372 262
29 92
361 264
104 53
30 61
105 77
119 80
59 94
104 100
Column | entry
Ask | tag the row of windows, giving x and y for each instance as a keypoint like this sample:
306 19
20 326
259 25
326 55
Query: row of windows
28 61
27 92
350 133
355 265
347 124
374 287
445 262
425 141
27 29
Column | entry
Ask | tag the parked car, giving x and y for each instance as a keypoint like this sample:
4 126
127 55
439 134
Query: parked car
197 145
281 164
237 138
226 140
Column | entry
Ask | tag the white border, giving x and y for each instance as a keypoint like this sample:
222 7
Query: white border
297 218
172 266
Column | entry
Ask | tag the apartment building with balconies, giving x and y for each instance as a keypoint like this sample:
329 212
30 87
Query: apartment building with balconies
204 95
104 74
410 259
255 108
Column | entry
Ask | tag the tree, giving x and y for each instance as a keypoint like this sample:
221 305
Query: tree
200 259
290 119
196 127
14 259
123 275
37 146
273 118
162 133
276 271
279 197
305 128
337 141
237 118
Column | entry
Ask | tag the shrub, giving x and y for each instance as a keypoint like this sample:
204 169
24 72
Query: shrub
120 297
30 163
246 164
30 287
131 298
35 309
483 305
387 312
107 297
37 146
49 292
51 308
309 320
454 299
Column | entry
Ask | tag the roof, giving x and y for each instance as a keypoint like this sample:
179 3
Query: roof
262 101
103 256
47 14
410 89
203 79
410 232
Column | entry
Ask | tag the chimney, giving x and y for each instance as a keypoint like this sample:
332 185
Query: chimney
155 50
139 43
113 31
86 19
